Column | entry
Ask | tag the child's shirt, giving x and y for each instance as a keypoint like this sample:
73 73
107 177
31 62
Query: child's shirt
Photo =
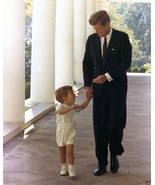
68 117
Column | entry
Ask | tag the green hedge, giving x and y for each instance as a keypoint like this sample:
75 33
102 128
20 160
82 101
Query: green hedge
135 69
146 68
27 90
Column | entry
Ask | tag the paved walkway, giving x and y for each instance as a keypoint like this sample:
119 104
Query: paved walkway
32 157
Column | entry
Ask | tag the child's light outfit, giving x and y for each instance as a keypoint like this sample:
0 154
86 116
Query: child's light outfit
65 133
66 123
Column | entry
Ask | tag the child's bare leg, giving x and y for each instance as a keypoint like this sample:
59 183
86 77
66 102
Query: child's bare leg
62 154
70 158
70 154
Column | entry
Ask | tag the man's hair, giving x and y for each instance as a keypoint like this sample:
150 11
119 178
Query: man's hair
101 16
62 92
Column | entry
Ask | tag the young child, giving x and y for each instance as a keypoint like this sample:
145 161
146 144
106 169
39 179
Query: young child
66 122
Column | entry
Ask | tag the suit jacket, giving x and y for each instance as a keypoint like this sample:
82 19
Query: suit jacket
116 63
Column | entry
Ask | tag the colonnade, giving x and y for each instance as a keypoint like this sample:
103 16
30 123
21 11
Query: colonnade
59 32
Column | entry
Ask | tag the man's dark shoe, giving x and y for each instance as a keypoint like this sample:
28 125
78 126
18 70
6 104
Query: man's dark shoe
100 170
114 167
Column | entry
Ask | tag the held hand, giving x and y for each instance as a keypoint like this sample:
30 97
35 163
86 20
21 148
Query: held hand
90 97
89 93
100 79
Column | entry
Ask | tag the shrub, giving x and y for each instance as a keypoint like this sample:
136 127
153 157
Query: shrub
135 69
147 67
27 90
142 69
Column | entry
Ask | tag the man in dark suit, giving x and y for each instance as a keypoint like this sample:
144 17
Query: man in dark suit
104 69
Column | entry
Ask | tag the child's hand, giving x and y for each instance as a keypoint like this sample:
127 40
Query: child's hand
90 97
88 93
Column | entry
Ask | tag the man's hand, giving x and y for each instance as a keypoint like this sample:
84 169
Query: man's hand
100 79
88 92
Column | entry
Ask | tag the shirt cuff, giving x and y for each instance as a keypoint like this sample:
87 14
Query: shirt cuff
109 78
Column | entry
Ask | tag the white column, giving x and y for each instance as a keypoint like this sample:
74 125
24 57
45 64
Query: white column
79 38
13 61
42 68
102 5
64 61
1 67
91 8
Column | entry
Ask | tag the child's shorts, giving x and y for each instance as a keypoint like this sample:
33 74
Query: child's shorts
65 136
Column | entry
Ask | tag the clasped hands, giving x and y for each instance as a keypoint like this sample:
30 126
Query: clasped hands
101 79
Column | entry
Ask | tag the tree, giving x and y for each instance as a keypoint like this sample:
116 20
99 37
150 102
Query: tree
28 20
137 18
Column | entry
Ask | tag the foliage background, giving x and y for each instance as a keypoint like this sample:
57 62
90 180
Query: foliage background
133 18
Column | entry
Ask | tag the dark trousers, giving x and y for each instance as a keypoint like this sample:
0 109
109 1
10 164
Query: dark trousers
109 119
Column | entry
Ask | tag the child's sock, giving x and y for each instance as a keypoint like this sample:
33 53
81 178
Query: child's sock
71 171
63 171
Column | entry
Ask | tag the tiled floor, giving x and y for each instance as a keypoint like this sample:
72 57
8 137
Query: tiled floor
32 157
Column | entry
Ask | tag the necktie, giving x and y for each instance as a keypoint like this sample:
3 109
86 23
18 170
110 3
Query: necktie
104 48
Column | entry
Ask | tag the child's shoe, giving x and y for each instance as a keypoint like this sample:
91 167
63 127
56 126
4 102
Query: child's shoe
63 171
71 171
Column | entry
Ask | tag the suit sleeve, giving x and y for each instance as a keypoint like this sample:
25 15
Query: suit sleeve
88 66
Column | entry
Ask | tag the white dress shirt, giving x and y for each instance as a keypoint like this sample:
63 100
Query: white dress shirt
109 78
